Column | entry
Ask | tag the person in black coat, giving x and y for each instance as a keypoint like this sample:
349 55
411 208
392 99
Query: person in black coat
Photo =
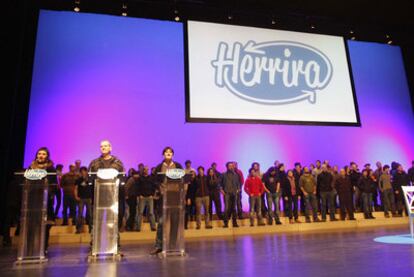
365 187
400 179
327 193
344 188
166 164
291 195
190 199
354 176
214 189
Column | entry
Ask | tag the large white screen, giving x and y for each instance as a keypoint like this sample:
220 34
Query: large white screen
246 73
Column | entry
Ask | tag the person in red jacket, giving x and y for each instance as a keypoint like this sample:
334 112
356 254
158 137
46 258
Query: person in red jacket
254 188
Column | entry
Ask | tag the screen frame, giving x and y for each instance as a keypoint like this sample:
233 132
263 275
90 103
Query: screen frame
189 119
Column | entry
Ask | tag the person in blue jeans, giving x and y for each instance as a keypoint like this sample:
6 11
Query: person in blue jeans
325 186
145 195
230 187
308 186
291 196
272 184
83 195
365 186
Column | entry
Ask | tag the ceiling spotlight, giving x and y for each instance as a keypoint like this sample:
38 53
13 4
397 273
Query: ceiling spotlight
77 6
352 34
176 16
124 10
389 40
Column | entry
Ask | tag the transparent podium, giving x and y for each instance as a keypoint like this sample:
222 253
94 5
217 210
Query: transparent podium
105 234
409 202
174 189
33 219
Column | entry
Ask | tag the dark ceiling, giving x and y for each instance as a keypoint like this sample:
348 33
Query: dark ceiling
370 20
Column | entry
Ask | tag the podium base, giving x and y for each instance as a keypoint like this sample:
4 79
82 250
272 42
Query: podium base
105 257
165 254
31 260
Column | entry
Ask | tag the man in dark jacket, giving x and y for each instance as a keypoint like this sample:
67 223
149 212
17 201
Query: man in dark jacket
230 188
190 199
297 172
83 195
166 164
272 184
365 187
239 204
131 197
344 188
400 179
325 187
145 194
354 176
202 198
68 183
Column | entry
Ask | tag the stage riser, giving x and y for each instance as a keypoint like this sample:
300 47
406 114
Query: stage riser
66 234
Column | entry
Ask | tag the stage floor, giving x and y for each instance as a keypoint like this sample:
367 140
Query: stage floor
337 253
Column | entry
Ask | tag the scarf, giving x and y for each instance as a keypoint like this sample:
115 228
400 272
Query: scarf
292 185
36 165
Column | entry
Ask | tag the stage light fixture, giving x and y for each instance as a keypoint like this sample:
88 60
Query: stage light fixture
77 6
352 34
124 10
176 16
389 40
312 26
229 17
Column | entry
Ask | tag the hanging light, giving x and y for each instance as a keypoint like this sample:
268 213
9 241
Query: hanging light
176 16
124 10
77 6
389 40
352 34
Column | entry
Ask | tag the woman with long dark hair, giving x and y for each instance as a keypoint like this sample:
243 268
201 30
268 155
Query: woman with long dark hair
291 196
213 186
42 161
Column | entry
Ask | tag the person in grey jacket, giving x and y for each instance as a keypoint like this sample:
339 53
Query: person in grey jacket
230 187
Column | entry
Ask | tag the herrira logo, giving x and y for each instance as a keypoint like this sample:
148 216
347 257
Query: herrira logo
273 72
35 174
175 173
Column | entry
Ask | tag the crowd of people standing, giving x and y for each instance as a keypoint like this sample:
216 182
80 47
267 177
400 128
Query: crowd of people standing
316 191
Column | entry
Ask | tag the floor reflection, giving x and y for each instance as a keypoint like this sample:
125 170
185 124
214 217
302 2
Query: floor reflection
302 254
